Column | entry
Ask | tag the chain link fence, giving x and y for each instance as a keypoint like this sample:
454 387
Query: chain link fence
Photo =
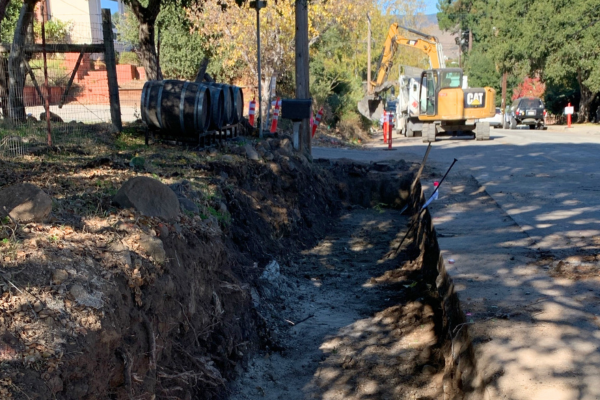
73 83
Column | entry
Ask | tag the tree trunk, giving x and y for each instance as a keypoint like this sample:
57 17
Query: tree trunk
3 6
16 63
146 16
587 97
4 85
148 55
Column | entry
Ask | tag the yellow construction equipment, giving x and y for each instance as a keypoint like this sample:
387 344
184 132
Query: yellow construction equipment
442 104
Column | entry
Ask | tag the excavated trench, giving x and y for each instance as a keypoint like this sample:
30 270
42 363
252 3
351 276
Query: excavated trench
296 287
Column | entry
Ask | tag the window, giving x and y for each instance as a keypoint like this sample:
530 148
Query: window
451 79
530 103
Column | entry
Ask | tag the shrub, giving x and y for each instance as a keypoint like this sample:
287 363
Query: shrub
129 57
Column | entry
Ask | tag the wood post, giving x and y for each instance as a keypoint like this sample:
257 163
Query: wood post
302 70
47 102
470 40
111 70
504 79
369 87
70 83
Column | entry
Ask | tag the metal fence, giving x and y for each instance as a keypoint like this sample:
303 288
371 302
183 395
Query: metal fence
74 83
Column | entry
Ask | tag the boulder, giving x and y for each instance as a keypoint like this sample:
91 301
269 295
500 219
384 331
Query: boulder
25 202
53 117
148 196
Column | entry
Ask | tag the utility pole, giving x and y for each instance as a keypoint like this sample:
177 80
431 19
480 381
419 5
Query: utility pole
504 79
369 88
302 70
470 40
258 5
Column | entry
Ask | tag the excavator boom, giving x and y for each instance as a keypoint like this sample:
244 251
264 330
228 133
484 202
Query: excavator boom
370 106
426 43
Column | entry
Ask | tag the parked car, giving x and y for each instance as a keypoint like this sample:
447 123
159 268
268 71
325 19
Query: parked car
525 111
496 120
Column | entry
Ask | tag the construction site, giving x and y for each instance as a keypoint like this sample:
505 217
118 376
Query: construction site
195 237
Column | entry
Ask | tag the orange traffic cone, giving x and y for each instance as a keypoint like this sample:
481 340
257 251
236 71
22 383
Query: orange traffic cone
275 115
251 112
317 121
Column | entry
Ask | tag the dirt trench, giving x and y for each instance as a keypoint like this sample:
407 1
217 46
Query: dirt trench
119 324
365 316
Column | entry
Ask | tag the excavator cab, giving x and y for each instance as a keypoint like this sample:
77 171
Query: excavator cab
439 85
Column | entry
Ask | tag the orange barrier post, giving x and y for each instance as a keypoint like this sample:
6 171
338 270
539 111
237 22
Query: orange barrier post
275 115
390 129
385 126
317 121
251 112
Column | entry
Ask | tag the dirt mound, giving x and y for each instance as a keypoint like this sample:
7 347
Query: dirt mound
88 312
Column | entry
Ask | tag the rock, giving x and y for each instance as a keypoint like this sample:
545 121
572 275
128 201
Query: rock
154 247
223 208
78 292
84 298
137 162
228 158
286 145
188 205
255 297
59 276
121 252
163 230
429 370
272 271
269 156
25 202
148 196
38 306
53 117
273 143
213 152
55 384
251 153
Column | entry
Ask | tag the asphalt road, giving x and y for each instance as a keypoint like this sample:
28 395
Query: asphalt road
508 205
547 181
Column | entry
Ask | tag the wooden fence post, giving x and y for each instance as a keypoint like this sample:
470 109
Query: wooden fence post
111 70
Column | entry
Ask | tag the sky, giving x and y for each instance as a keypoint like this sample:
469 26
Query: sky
114 6
430 6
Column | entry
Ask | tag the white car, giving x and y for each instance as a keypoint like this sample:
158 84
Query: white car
496 120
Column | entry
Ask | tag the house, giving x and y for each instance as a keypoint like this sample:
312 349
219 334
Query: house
85 17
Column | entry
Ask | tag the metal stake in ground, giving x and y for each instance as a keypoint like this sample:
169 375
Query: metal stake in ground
421 210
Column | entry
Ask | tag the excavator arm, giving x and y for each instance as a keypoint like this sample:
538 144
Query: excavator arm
371 106
426 43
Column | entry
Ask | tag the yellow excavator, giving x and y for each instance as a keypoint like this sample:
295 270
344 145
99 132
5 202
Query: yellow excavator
438 102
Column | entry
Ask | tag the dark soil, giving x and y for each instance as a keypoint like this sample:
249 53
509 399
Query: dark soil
119 323
370 326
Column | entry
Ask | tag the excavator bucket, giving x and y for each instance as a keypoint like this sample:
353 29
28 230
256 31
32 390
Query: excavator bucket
371 108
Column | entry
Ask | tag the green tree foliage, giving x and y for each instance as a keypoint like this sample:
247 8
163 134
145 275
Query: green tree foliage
9 23
180 49
56 31
333 82
555 40
127 27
